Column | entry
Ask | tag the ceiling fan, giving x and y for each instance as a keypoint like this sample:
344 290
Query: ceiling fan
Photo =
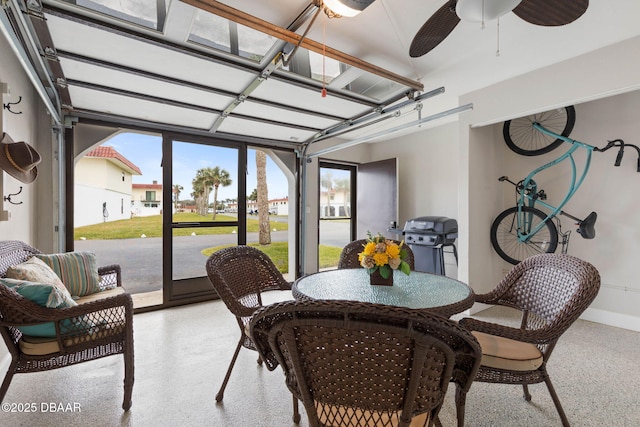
549 13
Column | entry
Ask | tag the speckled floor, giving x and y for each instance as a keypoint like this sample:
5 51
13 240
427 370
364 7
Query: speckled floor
182 354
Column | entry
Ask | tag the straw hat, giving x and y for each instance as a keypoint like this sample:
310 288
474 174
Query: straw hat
18 159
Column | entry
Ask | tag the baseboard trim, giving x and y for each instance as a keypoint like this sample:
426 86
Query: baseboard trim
596 315
610 318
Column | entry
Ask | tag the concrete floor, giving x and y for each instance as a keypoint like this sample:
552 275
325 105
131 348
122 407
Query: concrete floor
182 354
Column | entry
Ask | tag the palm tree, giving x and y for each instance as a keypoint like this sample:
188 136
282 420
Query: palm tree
177 188
343 186
201 190
264 235
218 177
326 181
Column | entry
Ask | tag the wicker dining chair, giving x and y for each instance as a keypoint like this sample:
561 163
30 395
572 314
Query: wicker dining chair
355 364
349 254
551 291
240 274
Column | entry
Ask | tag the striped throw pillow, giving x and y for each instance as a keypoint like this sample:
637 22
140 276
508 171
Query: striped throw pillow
77 270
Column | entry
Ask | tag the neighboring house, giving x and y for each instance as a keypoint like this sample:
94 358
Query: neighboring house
103 187
276 206
335 204
279 206
146 199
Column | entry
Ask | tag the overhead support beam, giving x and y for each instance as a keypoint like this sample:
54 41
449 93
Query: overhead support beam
369 119
388 132
258 24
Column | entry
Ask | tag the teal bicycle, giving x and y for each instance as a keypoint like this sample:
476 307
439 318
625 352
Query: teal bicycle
524 230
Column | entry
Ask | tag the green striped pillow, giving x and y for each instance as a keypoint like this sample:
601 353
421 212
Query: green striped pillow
77 270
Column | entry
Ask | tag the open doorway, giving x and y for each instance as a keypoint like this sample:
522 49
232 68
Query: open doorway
159 204
337 216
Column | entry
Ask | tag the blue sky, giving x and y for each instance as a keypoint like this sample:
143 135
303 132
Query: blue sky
145 151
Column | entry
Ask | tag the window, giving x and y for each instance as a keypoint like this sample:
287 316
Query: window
147 13
222 34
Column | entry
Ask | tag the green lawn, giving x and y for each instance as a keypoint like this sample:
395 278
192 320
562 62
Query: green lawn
279 254
151 226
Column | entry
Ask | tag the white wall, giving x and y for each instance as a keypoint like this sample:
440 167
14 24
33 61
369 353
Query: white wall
34 127
88 205
595 76
33 220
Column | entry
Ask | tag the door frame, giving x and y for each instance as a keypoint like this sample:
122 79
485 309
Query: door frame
353 176
197 288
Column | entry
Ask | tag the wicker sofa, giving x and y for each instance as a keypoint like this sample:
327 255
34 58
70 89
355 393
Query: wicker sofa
93 326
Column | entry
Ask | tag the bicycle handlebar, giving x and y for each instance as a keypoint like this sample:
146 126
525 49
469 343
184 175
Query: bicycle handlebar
620 143
615 143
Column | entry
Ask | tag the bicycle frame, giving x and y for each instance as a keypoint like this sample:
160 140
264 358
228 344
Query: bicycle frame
530 197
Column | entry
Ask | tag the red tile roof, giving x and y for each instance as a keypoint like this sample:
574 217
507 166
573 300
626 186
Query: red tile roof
111 153
151 186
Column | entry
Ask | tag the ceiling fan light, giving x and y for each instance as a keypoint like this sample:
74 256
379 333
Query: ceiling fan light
347 8
484 10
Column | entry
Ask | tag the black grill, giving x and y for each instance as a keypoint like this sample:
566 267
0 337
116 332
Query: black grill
426 236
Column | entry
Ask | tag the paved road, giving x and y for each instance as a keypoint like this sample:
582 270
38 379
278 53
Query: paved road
141 259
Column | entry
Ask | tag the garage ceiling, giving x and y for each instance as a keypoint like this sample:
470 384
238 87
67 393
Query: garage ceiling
170 64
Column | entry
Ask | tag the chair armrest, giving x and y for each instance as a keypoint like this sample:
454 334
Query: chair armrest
533 336
110 276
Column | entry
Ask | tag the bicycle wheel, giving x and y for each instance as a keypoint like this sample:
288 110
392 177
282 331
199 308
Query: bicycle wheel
504 235
524 139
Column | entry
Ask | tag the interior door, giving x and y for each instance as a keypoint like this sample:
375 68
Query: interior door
377 197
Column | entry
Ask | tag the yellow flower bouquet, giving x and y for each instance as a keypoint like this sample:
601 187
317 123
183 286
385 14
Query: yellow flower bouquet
383 255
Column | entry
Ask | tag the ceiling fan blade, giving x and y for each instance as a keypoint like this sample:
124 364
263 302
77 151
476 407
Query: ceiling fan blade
551 13
436 29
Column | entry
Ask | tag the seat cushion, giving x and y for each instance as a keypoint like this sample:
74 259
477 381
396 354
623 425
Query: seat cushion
100 295
504 353
39 346
77 270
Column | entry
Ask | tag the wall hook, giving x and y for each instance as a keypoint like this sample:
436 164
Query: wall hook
8 198
8 105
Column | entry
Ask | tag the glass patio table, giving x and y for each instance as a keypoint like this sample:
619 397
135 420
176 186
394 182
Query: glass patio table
420 291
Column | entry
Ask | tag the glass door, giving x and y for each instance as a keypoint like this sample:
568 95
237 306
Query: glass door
201 179
337 211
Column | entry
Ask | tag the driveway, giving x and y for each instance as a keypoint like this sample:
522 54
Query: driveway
141 258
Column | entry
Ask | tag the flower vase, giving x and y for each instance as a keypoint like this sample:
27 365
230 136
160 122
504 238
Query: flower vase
377 279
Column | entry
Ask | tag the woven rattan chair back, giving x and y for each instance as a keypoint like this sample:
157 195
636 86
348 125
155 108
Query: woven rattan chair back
240 274
361 364
349 254
551 291
111 335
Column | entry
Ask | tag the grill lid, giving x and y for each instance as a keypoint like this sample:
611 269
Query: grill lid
431 225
